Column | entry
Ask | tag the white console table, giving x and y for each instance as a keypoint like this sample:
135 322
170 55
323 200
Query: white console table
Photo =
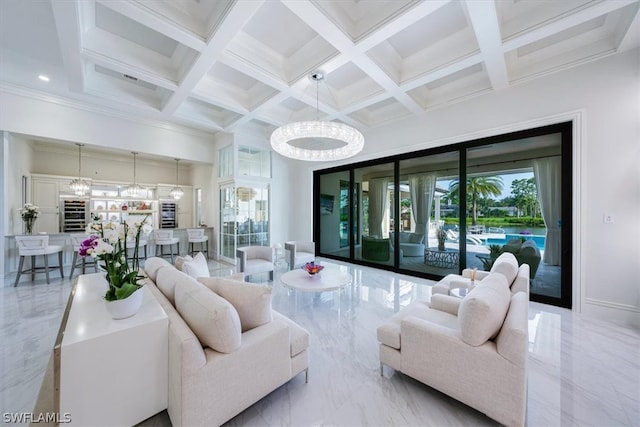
110 372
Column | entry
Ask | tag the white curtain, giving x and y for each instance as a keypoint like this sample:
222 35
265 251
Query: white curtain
378 190
547 173
422 186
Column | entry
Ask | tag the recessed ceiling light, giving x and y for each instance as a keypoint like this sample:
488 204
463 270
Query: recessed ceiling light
43 78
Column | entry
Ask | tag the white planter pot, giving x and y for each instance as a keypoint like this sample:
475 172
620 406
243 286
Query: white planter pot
123 308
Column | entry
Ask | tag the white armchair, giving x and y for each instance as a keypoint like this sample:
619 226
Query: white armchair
472 349
256 259
300 253
506 264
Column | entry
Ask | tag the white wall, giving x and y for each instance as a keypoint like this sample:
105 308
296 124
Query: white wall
63 121
603 97
16 162
20 156
112 168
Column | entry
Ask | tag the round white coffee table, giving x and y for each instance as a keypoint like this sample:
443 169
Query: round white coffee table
329 279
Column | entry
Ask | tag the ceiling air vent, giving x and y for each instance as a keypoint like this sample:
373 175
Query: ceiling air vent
127 76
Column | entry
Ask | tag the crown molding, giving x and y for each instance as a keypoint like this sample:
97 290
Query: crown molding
103 110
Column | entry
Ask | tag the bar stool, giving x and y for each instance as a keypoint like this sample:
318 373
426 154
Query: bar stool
165 238
84 262
196 235
32 246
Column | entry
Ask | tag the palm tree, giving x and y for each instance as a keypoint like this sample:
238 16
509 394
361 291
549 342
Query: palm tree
484 186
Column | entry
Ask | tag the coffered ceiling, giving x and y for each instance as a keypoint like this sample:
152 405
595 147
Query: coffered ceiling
224 65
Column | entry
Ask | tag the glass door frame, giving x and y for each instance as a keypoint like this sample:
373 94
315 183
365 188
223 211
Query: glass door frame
565 129
227 236
231 236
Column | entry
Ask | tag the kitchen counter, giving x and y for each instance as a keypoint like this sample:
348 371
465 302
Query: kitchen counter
11 256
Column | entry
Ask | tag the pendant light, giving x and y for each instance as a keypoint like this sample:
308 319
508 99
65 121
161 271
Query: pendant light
79 186
134 190
317 140
176 192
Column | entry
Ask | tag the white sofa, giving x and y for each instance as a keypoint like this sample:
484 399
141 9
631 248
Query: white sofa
208 386
472 349
411 244
506 264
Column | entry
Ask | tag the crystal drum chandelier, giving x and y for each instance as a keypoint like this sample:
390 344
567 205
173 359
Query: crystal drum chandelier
176 192
317 140
134 190
79 186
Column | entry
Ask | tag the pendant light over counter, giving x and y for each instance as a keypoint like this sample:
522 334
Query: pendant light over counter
79 186
176 192
134 190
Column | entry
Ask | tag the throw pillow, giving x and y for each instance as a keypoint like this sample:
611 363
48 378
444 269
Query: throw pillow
211 318
197 267
507 265
180 260
252 302
482 312
153 265
168 278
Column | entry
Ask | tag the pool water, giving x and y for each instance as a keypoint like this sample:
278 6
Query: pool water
539 240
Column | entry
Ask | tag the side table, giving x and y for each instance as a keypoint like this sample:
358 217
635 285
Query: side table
441 259
110 372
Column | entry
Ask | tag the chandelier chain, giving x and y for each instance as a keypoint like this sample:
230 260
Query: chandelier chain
134 166
79 160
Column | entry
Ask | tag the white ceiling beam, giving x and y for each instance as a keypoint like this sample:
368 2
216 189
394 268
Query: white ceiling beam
412 16
442 72
332 34
68 25
484 19
631 38
562 24
238 16
155 22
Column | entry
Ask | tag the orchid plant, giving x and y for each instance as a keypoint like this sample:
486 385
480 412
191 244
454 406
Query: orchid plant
108 242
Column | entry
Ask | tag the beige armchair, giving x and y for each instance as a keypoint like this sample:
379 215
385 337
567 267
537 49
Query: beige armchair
300 253
506 264
472 349
256 259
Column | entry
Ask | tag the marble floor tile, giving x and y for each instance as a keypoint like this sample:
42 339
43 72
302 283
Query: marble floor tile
582 371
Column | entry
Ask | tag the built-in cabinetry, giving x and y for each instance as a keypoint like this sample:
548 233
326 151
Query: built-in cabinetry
175 213
61 211
118 210
45 193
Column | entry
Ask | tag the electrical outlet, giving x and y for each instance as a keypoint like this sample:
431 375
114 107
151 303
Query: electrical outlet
608 218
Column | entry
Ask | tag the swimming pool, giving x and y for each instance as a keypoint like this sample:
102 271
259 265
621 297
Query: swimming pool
539 240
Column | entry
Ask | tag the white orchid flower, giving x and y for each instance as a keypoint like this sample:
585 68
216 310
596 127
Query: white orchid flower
101 248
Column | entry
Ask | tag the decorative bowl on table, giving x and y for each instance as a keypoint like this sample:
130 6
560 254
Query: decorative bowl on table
312 268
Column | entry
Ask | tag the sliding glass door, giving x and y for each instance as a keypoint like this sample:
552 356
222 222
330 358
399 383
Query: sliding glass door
514 199
438 211
427 234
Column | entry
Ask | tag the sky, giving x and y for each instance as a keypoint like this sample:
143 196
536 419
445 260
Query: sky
507 179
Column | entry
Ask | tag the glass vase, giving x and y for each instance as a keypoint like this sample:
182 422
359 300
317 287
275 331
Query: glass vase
28 225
